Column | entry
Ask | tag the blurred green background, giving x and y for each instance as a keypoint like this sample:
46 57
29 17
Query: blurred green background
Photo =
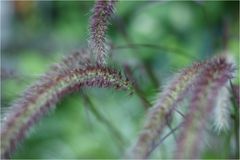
154 38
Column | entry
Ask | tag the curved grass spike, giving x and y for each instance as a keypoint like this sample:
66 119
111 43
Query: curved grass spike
208 85
156 118
99 21
41 97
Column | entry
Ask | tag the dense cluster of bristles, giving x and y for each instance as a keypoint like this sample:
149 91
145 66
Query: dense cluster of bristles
99 21
203 82
42 96
166 102
221 117
207 87
72 73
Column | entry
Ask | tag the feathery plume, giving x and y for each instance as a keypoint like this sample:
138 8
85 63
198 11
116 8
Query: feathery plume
208 85
156 118
99 21
222 110
41 97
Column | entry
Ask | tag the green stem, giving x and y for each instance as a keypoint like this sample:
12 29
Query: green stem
136 88
115 132
176 51
121 27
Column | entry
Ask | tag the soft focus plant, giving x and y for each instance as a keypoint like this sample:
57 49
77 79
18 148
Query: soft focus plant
205 87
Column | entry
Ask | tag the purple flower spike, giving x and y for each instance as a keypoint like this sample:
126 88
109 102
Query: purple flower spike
41 97
99 21
208 85
173 93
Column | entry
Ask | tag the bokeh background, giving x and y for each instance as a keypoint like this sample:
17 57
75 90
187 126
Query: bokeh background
153 39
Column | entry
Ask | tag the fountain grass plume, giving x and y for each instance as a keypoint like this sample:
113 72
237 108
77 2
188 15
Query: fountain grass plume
156 118
102 12
42 96
222 111
208 85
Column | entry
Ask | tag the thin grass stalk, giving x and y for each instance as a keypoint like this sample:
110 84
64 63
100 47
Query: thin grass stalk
121 27
169 50
110 126
136 88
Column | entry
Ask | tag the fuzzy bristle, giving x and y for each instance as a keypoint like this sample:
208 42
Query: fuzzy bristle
222 111
78 59
102 13
215 74
156 118
41 97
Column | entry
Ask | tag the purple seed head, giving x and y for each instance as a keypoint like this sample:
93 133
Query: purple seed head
155 122
214 76
42 96
102 12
